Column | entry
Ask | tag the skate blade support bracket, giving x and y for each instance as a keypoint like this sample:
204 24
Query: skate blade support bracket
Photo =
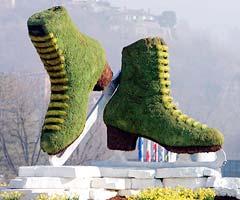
97 110
218 162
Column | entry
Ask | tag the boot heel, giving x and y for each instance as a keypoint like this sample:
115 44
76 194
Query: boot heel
105 79
120 140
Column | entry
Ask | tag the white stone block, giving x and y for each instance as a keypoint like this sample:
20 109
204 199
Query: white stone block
185 172
114 172
101 194
111 183
127 193
27 171
142 173
226 182
208 172
238 195
49 182
62 171
185 182
138 184
220 191
203 157
125 172
3 188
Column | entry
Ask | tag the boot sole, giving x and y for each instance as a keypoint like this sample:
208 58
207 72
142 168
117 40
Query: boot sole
125 141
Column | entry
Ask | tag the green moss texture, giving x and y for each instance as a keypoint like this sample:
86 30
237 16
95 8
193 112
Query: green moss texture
143 105
74 63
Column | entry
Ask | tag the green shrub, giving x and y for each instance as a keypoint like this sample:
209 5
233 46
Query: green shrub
178 193
11 195
3 184
56 197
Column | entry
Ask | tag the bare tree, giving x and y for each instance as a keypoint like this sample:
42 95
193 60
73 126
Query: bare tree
20 122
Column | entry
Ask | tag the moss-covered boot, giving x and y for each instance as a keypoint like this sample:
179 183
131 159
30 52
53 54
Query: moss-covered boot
76 65
142 105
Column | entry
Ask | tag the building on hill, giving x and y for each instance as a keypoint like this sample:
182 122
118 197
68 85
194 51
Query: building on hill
142 22
137 15
92 5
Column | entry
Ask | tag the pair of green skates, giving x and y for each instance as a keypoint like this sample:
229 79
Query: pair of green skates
142 105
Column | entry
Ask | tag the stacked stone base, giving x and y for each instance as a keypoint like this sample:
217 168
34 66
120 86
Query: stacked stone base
100 183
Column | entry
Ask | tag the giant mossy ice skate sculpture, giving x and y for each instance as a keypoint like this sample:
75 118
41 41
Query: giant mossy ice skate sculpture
75 64
142 105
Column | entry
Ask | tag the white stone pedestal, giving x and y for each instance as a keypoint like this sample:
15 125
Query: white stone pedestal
103 182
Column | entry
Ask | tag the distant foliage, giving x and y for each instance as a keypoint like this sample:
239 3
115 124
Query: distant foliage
167 19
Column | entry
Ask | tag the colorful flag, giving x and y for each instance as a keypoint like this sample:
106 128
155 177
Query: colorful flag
140 149
155 151
149 151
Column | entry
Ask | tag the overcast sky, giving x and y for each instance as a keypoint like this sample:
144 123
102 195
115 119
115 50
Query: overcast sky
198 13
